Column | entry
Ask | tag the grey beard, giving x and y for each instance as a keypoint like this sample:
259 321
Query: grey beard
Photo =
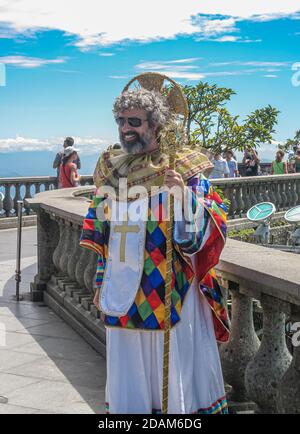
136 148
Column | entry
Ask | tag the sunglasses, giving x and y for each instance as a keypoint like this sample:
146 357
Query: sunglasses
132 122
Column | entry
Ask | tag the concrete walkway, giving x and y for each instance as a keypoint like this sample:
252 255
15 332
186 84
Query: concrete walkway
45 366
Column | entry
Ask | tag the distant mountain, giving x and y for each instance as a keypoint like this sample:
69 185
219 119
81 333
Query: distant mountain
9 174
28 164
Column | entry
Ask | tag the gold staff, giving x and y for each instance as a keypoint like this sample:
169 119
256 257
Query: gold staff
169 137
171 141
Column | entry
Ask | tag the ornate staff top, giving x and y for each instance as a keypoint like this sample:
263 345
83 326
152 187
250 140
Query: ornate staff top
166 86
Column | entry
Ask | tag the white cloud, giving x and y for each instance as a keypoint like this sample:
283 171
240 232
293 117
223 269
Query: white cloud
9 32
248 41
212 27
178 68
167 65
97 23
28 62
270 76
173 68
259 63
106 54
227 39
86 145
182 75
191 59
119 77
272 16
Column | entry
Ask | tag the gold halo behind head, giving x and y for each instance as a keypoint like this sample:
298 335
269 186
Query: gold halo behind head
173 92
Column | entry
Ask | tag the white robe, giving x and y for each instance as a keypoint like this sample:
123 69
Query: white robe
134 365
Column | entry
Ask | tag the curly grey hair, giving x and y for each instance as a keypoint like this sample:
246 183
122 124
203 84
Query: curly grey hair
155 104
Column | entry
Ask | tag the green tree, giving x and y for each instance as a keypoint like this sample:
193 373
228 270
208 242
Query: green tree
210 125
291 143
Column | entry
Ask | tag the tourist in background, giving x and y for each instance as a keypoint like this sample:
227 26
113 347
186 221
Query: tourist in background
251 162
279 167
232 164
69 141
68 176
221 169
297 161
291 159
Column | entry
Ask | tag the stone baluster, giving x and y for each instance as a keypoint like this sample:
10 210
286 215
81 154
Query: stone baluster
265 371
17 197
242 346
298 189
37 187
47 241
293 193
90 272
8 204
271 190
265 191
288 399
81 266
295 196
260 189
253 193
60 246
283 194
246 197
66 248
228 193
239 199
27 196
279 199
76 251
287 193
233 200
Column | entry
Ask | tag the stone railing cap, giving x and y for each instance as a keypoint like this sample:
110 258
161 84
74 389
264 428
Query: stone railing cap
63 203
263 269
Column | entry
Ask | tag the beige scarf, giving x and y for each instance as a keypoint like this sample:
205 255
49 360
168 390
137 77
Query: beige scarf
147 169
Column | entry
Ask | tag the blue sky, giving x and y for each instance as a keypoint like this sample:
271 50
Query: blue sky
66 61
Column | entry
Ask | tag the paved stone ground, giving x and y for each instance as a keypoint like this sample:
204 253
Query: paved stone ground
45 366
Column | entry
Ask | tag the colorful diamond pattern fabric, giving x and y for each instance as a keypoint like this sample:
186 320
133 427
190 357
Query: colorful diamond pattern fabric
147 311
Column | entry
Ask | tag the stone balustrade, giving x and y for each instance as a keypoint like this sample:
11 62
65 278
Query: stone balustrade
265 371
243 193
282 190
14 189
261 371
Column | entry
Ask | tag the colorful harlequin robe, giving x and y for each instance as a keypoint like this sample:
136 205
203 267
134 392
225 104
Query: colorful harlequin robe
194 255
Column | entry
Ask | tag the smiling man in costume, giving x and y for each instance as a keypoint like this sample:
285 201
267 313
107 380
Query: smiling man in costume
131 270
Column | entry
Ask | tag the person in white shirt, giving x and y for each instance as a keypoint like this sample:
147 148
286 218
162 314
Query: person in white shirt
221 169
232 164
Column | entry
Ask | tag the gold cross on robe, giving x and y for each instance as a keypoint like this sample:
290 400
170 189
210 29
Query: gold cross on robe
125 229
